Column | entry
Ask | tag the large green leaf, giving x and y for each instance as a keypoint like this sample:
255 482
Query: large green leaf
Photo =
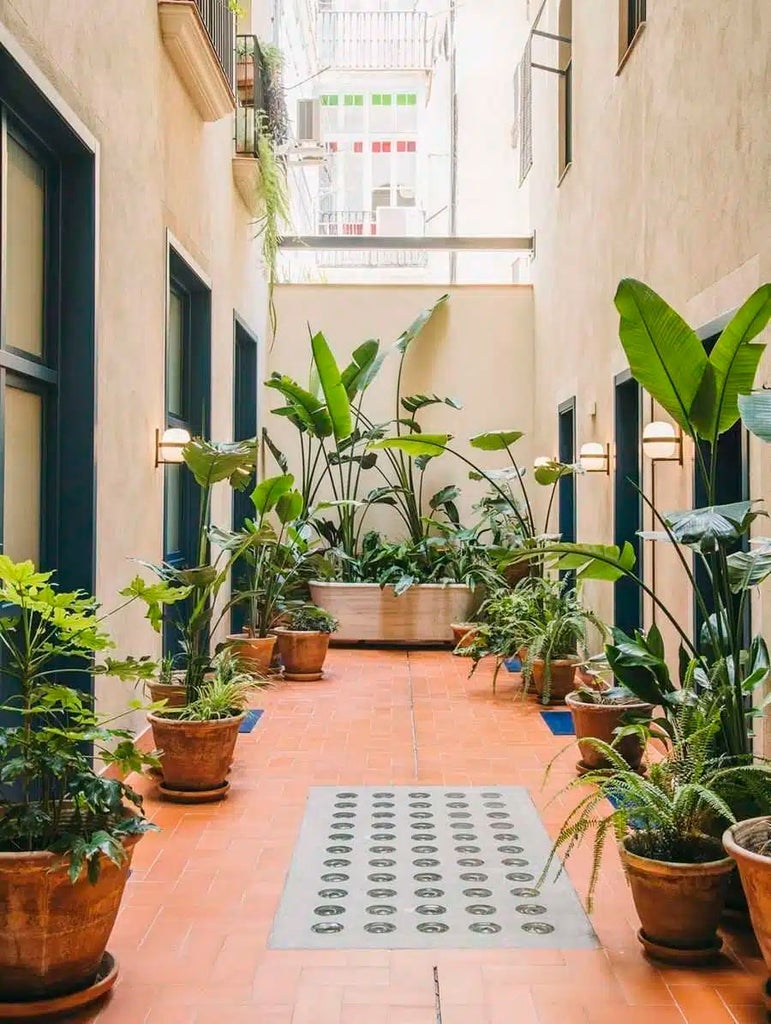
305 406
266 494
735 361
705 528
750 568
289 506
414 402
363 358
338 405
664 353
755 410
406 338
414 445
548 473
275 451
495 440
605 562
210 462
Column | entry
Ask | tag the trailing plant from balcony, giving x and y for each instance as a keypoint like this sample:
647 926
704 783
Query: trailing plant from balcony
273 210
51 796
705 395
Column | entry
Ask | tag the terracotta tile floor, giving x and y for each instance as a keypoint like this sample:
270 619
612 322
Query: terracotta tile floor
191 937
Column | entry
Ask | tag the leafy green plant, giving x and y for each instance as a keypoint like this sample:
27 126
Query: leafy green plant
224 693
51 797
197 617
705 395
309 618
673 814
273 209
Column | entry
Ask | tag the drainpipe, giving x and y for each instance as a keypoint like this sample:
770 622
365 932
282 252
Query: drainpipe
453 143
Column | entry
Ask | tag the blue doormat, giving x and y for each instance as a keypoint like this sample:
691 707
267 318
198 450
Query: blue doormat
252 718
513 664
560 722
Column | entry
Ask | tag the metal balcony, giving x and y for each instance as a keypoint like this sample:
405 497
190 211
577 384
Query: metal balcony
347 222
220 24
374 40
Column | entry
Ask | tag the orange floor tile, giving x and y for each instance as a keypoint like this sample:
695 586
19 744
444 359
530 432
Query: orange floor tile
191 936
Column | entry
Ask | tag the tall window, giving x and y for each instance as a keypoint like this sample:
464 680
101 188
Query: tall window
188 363
565 117
245 415
632 14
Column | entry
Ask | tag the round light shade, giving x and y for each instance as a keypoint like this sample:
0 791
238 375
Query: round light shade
660 440
593 457
542 460
170 444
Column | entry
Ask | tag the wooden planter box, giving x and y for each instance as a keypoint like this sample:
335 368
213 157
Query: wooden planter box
369 614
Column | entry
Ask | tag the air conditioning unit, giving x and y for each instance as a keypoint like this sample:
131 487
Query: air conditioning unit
308 121
400 221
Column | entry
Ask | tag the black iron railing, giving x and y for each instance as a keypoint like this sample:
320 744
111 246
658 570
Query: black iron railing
636 14
250 87
220 23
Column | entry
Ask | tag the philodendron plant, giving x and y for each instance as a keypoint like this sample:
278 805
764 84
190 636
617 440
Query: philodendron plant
705 395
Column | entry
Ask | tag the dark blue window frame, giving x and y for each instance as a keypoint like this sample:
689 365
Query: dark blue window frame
245 418
627 502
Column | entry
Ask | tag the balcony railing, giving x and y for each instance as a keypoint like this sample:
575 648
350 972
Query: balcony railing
374 258
347 222
373 40
220 24
250 86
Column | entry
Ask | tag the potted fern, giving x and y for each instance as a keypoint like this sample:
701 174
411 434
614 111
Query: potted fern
665 825
303 641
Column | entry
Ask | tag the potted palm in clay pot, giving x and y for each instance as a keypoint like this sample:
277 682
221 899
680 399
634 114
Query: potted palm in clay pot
303 641
749 843
67 832
272 568
665 824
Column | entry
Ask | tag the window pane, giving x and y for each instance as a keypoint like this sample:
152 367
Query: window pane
25 262
23 474
175 355
173 540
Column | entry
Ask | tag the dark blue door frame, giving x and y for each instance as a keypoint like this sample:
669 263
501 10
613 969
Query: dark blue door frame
245 417
566 452
627 503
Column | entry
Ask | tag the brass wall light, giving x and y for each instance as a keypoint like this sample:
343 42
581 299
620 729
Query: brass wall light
169 445
594 457
662 442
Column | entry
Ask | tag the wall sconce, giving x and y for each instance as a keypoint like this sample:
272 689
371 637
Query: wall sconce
594 457
661 442
169 445
542 460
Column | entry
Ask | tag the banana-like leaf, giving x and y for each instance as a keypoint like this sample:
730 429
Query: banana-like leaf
421 461
705 528
289 506
406 338
750 568
495 440
306 407
605 562
550 472
664 353
275 451
448 493
366 460
210 462
430 445
414 402
338 404
735 362
755 411
266 494
355 374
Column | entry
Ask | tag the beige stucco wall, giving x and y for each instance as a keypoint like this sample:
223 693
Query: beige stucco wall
669 183
161 169
478 349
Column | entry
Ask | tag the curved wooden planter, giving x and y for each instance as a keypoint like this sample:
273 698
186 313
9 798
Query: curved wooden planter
195 756
302 653
679 906
54 933
755 871
598 721
368 613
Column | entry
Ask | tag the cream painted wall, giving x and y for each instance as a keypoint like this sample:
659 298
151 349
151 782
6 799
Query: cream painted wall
477 349
161 170
669 183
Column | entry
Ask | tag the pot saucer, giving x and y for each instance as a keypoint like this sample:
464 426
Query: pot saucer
106 977
303 677
681 957
193 796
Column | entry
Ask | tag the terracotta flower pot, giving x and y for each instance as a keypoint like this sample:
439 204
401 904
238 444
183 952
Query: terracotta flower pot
302 653
679 905
245 81
54 934
563 672
598 721
741 842
463 633
255 653
195 756
174 694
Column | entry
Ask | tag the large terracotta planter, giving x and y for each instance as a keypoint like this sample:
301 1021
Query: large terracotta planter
302 653
741 842
679 905
367 613
175 694
195 756
255 653
53 934
598 721
563 674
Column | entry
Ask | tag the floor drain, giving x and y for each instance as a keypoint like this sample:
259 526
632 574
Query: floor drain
404 868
